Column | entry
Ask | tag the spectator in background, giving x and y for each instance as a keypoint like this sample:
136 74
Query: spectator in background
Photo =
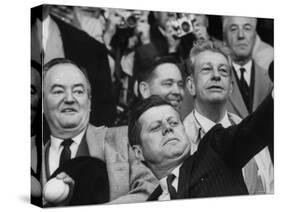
210 84
251 83
162 77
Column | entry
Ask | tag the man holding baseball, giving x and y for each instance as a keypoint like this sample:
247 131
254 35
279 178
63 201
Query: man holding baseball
67 105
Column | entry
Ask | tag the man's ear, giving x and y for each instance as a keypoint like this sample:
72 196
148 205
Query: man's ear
138 152
190 85
144 89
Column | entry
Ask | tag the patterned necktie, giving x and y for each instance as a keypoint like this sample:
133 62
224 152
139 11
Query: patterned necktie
245 89
66 152
171 189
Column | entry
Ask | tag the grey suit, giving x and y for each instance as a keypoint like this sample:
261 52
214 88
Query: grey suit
129 179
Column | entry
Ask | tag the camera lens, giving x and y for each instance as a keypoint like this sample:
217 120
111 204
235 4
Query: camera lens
131 21
185 26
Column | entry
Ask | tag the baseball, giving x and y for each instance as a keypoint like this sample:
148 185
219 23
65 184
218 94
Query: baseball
55 191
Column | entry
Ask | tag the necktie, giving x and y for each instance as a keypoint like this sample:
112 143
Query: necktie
66 152
245 90
171 189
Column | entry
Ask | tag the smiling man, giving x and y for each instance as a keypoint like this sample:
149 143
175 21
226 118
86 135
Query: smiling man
210 84
67 103
162 77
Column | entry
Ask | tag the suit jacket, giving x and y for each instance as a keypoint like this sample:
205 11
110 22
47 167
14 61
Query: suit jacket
262 86
195 133
129 179
215 169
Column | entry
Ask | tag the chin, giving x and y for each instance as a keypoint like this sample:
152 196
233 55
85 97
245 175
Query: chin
69 123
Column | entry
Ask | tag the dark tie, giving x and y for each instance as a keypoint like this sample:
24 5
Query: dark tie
245 90
171 189
66 152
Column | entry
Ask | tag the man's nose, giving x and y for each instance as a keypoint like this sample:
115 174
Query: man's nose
216 75
69 98
167 128
241 34
176 89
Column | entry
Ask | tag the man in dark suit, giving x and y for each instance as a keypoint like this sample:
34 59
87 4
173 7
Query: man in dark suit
251 82
67 106
158 136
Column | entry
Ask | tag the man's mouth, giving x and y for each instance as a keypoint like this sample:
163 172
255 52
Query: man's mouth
215 88
175 101
69 110
170 140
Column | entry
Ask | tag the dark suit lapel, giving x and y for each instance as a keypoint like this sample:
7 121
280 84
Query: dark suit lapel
184 178
155 194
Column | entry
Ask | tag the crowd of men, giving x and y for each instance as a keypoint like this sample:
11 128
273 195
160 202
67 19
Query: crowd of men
143 105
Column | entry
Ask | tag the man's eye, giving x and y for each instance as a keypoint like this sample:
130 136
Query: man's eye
78 91
206 69
224 72
168 84
248 28
174 123
233 29
180 84
57 92
156 128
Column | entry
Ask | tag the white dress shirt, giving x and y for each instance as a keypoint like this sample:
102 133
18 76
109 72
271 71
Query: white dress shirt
163 183
247 73
56 149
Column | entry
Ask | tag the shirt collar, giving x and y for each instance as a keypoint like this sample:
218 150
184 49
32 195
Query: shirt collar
247 67
163 181
56 142
208 124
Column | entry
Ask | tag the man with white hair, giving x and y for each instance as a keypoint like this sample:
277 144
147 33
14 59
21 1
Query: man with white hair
251 83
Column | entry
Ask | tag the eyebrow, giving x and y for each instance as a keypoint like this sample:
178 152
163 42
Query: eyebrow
61 86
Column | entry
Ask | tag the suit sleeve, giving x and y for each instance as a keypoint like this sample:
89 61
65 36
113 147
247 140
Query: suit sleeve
142 181
238 144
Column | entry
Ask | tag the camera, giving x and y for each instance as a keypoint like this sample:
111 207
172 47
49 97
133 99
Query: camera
128 19
182 26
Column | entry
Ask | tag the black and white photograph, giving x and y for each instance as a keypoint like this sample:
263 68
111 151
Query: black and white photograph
131 105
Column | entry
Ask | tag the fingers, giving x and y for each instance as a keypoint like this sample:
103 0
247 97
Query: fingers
66 178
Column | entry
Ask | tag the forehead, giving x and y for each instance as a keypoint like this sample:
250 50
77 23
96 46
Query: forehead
167 71
240 21
209 57
158 113
64 74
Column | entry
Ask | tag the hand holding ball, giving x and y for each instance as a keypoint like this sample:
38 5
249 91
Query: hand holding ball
55 191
